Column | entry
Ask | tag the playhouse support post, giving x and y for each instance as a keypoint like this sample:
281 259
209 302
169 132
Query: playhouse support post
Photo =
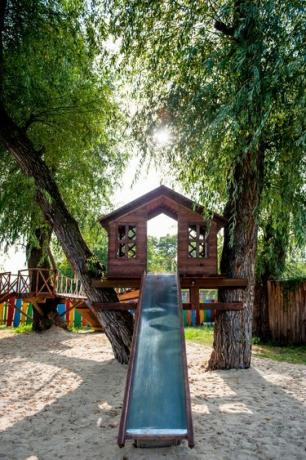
195 302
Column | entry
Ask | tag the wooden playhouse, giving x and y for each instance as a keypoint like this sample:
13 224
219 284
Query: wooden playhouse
197 258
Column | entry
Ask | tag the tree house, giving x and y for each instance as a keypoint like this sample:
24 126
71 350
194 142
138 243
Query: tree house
127 235
197 261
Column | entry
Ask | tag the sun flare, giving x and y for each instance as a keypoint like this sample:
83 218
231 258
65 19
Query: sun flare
162 137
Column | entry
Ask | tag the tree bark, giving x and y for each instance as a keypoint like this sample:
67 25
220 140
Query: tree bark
233 330
118 326
37 257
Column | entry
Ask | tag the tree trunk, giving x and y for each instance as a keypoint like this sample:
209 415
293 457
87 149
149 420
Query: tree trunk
38 257
233 330
118 326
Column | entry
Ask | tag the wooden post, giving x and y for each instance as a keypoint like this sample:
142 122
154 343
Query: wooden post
195 302
37 307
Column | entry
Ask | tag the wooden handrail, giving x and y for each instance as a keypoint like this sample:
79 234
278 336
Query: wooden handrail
39 282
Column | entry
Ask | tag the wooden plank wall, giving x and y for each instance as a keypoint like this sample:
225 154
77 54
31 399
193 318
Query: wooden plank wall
287 312
119 266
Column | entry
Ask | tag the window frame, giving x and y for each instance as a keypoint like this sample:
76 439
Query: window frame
197 241
126 241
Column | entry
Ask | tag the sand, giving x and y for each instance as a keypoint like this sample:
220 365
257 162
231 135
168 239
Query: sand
61 398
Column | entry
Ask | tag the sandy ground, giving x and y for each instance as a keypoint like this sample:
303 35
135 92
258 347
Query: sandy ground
61 398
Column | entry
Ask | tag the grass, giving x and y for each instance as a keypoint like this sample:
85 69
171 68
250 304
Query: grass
294 354
18 330
203 335
22 328
78 329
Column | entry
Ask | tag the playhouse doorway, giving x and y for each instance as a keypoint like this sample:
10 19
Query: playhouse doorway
162 244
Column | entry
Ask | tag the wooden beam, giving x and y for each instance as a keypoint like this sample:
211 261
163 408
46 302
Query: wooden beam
31 298
23 313
216 306
123 306
130 295
210 282
115 306
195 301
37 307
213 283
117 283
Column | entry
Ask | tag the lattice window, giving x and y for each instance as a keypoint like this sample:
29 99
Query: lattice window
197 241
127 241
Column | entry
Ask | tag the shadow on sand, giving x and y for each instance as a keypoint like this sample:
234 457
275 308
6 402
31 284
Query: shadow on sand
83 423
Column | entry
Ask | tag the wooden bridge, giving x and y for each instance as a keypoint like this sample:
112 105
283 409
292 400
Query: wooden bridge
39 283
36 285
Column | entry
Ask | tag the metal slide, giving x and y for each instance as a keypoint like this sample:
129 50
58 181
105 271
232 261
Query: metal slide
156 408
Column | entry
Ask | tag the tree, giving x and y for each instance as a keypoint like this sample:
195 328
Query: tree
227 79
282 231
162 253
65 107
30 127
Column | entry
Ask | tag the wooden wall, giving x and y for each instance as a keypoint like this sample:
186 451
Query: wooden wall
122 267
287 312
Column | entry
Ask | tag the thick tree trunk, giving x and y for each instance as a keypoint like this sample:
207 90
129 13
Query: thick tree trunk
118 326
233 330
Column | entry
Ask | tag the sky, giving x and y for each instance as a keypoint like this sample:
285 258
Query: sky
148 180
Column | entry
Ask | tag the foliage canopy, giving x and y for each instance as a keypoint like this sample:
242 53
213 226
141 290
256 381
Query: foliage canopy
58 89
228 79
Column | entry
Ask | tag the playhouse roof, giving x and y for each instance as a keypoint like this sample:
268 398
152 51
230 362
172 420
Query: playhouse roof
161 191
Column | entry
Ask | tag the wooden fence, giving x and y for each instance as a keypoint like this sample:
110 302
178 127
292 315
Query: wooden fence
287 312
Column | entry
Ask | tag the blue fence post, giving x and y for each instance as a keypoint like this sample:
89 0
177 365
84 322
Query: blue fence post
16 319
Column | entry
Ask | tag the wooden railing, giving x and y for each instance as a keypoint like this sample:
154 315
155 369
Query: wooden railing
39 282
36 281
69 286
8 284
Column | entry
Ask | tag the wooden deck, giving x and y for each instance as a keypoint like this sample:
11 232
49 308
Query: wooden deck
36 285
210 282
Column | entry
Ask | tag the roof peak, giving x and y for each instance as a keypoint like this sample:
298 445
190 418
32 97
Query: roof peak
153 194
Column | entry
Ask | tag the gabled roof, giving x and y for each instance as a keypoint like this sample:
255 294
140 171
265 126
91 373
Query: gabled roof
160 191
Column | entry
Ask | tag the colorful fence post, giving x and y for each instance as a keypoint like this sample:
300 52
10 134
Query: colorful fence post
16 320
70 313
61 308
67 304
29 313
10 313
24 309
77 318
2 313
5 309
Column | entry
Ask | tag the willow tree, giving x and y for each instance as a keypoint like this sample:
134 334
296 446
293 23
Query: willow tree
55 112
223 76
282 229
